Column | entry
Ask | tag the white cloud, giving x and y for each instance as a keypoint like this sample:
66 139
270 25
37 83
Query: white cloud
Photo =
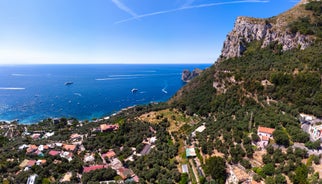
123 7
190 7
188 3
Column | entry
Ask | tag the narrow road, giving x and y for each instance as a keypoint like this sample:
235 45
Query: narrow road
104 161
195 172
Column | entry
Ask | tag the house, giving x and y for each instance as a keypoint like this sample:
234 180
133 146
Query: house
69 147
32 148
264 131
125 173
67 177
184 168
199 129
67 155
24 163
39 153
23 146
31 163
116 164
315 132
264 134
93 168
146 150
190 152
110 154
35 136
75 137
89 158
54 152
41 162
306 117
48 134
106 127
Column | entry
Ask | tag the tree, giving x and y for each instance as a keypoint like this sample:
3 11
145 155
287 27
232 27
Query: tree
280 179
301 173
216 168
281 138
269 169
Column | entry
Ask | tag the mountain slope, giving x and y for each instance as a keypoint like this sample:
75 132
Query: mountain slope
267 84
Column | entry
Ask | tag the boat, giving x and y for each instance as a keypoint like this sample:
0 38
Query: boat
134 90
68 83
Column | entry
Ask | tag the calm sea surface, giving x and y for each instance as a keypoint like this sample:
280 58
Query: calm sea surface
31 93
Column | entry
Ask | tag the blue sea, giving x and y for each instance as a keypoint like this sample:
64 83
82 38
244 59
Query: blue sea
31 93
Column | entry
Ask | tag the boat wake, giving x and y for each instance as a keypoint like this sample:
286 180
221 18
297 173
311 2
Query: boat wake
77 94
1 88
164 90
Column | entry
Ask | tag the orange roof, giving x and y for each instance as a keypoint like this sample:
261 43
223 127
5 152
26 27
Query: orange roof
42 161
33 146
109 154
265 138
266 130
69 147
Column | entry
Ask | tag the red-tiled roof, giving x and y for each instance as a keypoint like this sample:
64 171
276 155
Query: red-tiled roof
31 163
54 153
109 154
266 130
265 138
94 167
69 147
125 172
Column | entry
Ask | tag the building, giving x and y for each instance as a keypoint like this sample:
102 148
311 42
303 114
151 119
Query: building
110 154
93 168
106 127
185 168
54 152
264 131
125 173
190 152
69 147
315 132
264 134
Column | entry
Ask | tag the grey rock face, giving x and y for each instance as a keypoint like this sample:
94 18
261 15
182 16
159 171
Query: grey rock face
187 75
248 29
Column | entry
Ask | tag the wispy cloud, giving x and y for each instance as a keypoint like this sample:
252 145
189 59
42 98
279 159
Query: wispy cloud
187 7
188 3
123 7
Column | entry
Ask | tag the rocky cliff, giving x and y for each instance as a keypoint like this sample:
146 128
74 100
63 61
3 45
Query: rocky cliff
270 30
187 75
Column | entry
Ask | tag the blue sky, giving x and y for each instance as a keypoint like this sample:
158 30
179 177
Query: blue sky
122 31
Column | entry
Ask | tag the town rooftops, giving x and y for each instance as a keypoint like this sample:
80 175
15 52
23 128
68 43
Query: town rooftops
265 130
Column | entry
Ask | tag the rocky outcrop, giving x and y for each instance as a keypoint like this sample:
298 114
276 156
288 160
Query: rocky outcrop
248 29
187 75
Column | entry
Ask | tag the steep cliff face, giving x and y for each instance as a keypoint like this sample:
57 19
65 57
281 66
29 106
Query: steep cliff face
275 29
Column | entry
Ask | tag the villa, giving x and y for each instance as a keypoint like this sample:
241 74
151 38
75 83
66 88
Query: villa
264 134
